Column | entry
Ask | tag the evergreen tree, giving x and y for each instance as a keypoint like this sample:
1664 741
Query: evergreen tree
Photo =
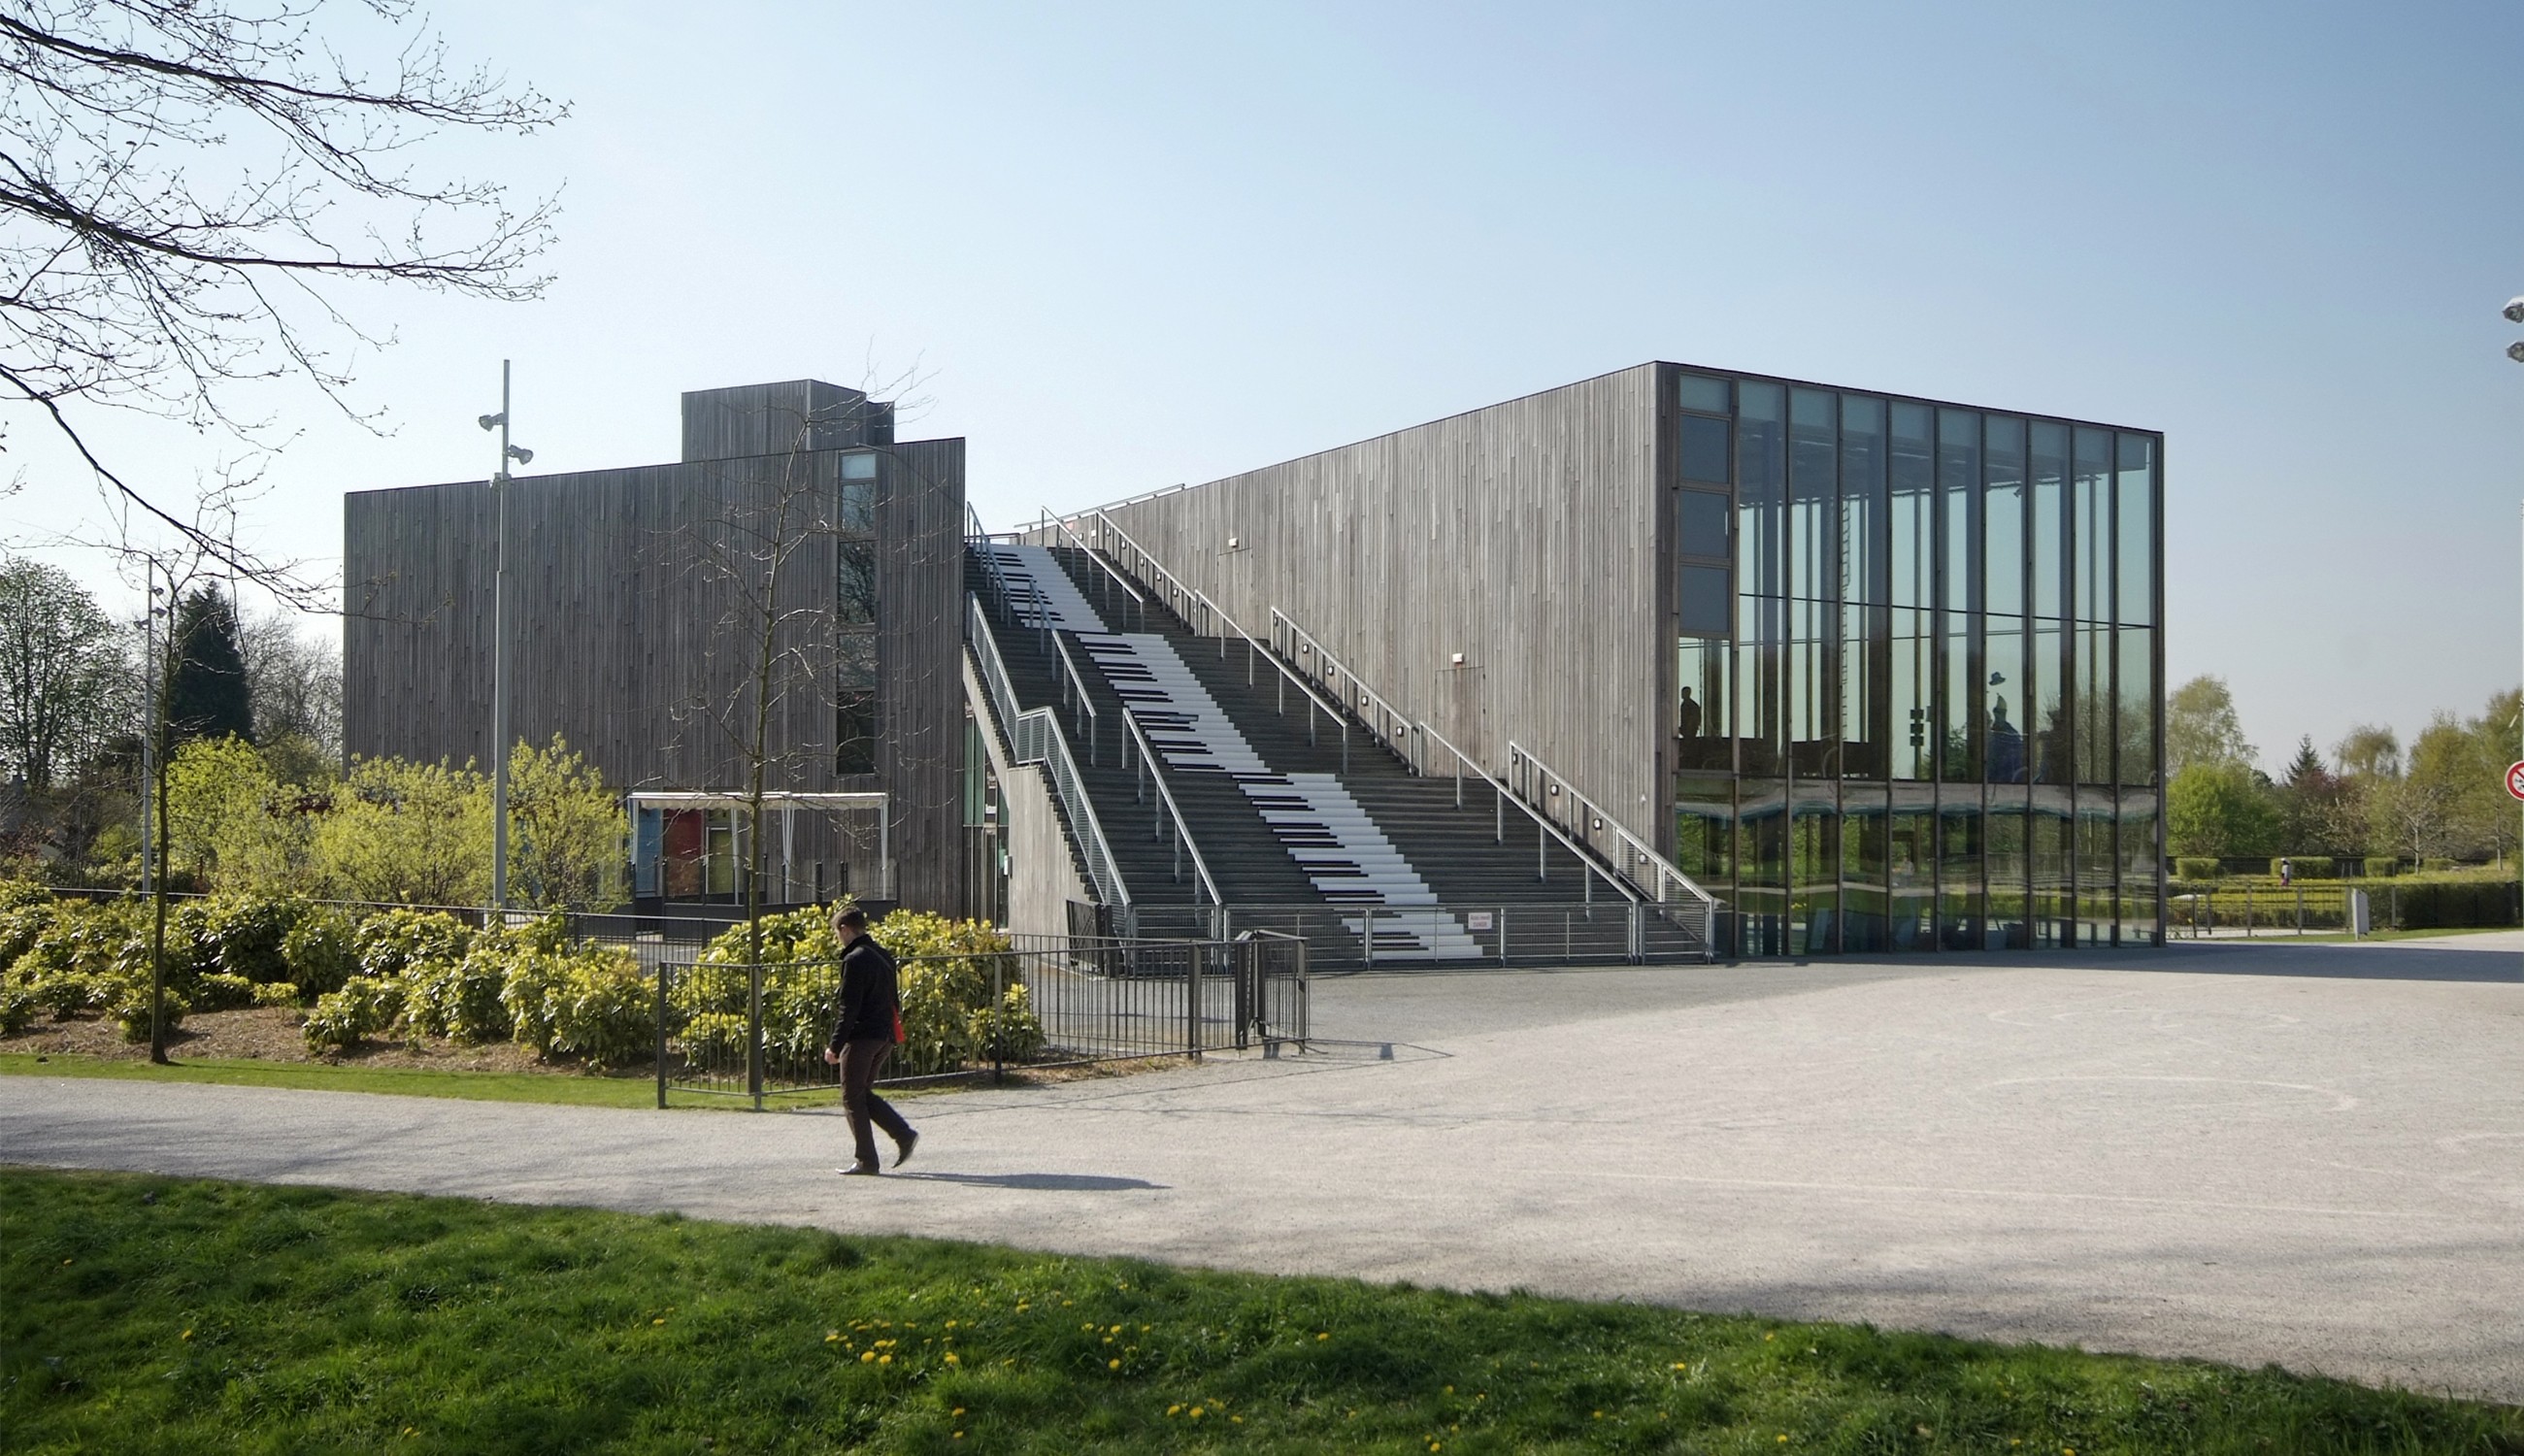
207 694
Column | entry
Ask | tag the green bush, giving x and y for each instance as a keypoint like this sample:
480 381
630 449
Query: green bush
129 1002
2448 906
18 1005
2310 866
278 993
21 922
946 984
592 1003
2380 866
462 999
321 951
19 894
250 932
2198 867
2438 866
364 1006
389 944
715 1039
1016 1036
222 991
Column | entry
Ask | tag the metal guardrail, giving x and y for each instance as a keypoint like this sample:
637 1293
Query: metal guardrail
1453 935
1667 886
1035 736
1385 723
1500 797
1139 604
1151 772
1072 691
1198 612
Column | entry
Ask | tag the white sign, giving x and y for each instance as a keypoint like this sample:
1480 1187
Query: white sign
2515 780
1480 919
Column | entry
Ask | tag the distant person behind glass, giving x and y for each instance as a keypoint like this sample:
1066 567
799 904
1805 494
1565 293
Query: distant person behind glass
1686 718
2006 746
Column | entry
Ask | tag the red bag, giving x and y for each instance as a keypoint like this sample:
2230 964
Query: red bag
898 1026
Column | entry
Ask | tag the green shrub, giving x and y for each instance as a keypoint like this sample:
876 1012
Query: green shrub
2380 866
389 944
2438 866
19 894
18 1005
128 1002
592 1003
2198 867
250 932
321 951
364 1006
1017 1033
222 991
946 984
21 923
461 1001
715 1039
2310 866
277 993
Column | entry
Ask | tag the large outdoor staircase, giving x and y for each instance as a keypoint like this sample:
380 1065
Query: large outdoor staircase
1271 808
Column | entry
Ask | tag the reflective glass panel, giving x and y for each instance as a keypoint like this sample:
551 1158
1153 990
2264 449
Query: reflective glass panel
1705 831
2049 466
1958 868
2003 513
2097 905
1959 482
1761 442
2005 854
858 502
2093 706
1862 832
1910 868
1703 518
1760 672
1700 392
1863 575
1865 662
1705 594
2136 716
1812 712
1911 464
1814 870
1960 712
1910 661
1761 867
2090 526
2004 753
1814 492
2139 870
2046 714
2135 545
2054 912
855 604
1703 448
1704 737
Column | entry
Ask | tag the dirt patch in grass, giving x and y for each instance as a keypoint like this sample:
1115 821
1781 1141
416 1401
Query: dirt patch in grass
269 1034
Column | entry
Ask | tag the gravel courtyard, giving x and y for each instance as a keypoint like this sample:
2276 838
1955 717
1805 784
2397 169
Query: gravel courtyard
2310 1154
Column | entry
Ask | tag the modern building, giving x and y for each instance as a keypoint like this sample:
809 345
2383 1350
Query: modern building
1883 675
786 596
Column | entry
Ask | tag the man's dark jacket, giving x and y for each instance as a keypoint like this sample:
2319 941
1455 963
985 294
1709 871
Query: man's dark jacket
869 997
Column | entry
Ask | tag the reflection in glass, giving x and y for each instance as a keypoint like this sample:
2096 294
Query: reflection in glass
2090 526
854 703
1761 867
1701 520
2053 913
2004 748
1704 837
2097 908
1700 392
2093 706
1811 709
859 500
1959 481
2139 861
2136 548
2137 715
1963 710
1761 686
2010 910
1814 870
1958 868
2003 515
1761 443
2050 550
2046 714
1704 594
1910 868
1702 449
1865 664
1862 831
1814 492
1704 736
1863 519
1912 656
1913 483
856 602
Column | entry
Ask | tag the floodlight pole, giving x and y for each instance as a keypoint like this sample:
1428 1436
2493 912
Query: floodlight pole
500 665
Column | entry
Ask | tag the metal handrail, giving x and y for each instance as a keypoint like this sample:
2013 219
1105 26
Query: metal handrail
1165 796
1034 737
1252 649
1073 679
1389 724
1660 877
1101 564
1500 797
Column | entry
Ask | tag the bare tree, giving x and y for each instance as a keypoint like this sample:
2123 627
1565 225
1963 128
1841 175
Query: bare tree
188 189
295 684
65 684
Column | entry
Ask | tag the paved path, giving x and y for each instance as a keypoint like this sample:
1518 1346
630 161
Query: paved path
2313 1155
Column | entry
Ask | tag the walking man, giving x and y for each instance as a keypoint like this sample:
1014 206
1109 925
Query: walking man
863 1038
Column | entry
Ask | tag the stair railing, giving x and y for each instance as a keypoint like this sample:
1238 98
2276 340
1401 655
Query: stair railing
1500 799
1034 737
1139 604
1183 600
1167 812
1681 898
1073 692
1388 724
981 542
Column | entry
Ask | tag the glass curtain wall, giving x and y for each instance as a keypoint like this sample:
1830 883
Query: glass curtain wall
1919 693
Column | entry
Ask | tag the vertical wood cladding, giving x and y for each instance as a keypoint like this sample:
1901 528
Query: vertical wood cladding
1527 536
637 601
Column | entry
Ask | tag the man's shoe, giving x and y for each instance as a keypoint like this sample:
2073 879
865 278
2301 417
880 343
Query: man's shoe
903 1149
859 1170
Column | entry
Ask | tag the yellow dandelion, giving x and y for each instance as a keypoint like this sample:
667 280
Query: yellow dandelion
1089 1329
950 1324
955 1359
1196 1413
1450 1390
1174 1410
187 1335
884 1359
1323 1335
1022 1306
662 1319
959 1435
1437 1445
1112 1364
1770 1336
957 1411
866 1356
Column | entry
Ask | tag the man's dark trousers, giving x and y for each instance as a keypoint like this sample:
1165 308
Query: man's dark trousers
861 1060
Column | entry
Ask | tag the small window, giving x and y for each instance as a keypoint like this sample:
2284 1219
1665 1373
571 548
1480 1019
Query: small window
1708 594
858 468
1700 392
1703 522
1703 448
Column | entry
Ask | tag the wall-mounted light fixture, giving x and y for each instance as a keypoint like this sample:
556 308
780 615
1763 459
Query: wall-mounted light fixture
1235 543
1457 660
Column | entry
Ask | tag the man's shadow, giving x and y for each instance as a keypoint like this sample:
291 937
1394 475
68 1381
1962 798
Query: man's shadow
1058 1183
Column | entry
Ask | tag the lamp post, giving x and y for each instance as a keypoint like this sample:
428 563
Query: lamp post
499 646
2514 313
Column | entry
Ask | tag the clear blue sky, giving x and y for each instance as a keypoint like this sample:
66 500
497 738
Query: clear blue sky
1140 245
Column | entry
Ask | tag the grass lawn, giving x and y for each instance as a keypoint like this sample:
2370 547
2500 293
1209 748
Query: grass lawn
141 1313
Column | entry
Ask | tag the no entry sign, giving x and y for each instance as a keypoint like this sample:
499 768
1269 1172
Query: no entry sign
2515 780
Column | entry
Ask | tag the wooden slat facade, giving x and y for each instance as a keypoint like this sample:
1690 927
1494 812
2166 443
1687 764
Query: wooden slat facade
633 643
1530 536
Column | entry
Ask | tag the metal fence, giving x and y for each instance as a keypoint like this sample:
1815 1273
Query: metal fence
1608 930
759 1031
